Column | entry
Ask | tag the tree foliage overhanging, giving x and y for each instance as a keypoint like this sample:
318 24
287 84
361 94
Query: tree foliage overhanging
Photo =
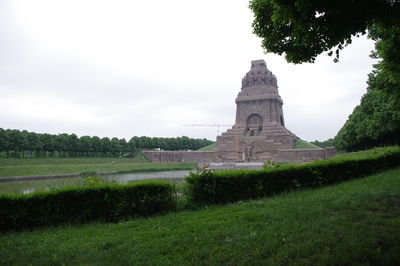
16 143
376 120
303 29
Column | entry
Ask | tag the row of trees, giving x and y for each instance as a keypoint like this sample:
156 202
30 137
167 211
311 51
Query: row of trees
16 143
323 144
374 122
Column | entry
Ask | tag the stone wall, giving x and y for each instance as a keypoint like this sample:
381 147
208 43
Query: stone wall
280 155
304 155
181 156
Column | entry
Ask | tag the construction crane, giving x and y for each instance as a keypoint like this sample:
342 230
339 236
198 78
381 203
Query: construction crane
209 125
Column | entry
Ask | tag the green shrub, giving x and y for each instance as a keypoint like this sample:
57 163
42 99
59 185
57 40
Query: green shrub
87 174
210 187
105 203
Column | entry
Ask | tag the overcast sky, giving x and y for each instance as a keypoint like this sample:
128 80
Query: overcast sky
147 68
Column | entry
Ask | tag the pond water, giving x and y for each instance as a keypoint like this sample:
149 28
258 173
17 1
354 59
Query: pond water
25 187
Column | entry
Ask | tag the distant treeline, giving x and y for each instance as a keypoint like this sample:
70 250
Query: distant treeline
323 144
17 143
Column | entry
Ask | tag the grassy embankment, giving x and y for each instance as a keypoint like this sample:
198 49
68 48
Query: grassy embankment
210 147
351 223
49 166
360 154
302 144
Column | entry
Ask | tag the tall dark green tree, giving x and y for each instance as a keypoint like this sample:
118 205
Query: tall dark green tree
85 145
132 145
73 144
374 122
16 141
115 146
61 143
386 74
3 141
106 145
124 146
96 145
48 144
34 144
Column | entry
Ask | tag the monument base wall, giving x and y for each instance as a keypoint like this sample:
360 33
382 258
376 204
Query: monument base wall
280 155
181 156
304 155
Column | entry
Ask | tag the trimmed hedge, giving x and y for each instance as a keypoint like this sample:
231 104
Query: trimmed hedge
219 187
105 203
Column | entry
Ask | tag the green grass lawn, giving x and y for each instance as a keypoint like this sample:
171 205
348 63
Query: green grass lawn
302 144
360 154
353 223
47 166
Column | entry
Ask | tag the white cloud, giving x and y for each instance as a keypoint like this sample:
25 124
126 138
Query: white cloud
125 68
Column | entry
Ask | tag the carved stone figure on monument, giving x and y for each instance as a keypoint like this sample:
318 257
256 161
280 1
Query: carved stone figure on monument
249 153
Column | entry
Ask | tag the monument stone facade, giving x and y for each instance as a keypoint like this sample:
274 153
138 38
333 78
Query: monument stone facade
259 132
259 129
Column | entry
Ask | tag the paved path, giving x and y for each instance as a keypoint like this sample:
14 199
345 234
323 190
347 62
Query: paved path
252 166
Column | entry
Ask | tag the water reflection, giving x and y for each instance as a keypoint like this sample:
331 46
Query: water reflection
165 175
25 187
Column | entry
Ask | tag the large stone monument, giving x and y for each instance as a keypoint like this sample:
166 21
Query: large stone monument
259 133
259 129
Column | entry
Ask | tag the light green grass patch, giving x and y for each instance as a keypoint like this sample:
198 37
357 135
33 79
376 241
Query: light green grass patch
363 154
48 166
210 147
302 144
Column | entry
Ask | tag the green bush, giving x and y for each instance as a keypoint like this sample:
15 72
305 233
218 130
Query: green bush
105 203
220 187
87 174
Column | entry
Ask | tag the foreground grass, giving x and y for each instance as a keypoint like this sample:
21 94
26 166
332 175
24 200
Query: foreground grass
48 166
353 223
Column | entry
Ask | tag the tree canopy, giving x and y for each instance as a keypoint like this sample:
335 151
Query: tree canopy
303 29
